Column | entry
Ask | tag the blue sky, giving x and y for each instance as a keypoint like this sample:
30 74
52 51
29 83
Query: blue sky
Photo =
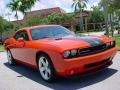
42 4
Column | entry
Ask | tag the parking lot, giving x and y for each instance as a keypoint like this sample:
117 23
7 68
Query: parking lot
22 78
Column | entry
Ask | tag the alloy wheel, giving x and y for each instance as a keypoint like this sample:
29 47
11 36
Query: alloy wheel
44 68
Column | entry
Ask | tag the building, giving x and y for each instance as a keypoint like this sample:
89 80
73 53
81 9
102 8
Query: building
74 24
45 12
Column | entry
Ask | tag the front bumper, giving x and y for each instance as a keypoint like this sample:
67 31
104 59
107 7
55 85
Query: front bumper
92 71
67 67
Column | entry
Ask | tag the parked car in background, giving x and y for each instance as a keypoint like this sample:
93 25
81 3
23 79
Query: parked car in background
56 51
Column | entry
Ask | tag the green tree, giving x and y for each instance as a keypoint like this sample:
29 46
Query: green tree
115 3
79 6
1 26
96 15
55 18
67 17
4 26
35 20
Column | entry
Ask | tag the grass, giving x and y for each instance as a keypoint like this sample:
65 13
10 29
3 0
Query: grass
117 38
1 48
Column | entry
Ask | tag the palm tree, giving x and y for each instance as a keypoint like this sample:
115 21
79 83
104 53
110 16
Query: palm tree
79 6
21 5
14 6
26 5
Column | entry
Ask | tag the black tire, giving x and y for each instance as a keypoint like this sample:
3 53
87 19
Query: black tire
10 58
46 69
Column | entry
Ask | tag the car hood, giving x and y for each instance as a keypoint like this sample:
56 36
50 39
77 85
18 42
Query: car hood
74 41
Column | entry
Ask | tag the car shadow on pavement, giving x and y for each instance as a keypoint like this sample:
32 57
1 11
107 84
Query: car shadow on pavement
70 83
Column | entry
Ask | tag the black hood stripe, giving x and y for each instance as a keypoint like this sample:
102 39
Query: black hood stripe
93 41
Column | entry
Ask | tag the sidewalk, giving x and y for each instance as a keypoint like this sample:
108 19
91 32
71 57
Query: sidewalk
95 33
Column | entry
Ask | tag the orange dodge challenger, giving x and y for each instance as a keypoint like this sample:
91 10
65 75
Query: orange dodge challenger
56 51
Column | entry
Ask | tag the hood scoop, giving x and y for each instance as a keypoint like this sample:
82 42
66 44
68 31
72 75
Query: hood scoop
58 38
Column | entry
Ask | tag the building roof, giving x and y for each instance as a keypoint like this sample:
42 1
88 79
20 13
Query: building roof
45 12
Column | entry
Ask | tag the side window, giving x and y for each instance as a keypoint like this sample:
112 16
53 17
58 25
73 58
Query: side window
24 35
21 34
17 35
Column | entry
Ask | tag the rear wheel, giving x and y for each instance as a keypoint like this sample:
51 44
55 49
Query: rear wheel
10 58
46 68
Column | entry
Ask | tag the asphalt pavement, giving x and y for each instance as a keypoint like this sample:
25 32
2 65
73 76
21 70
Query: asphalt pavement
20 77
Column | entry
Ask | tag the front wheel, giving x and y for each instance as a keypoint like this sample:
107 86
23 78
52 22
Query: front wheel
46 68
10 58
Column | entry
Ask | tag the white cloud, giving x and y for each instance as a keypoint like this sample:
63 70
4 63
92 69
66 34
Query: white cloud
65 4
95 3
2 7
90 4
38 6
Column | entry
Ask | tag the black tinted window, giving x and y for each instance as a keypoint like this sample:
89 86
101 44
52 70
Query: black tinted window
21 34
50 31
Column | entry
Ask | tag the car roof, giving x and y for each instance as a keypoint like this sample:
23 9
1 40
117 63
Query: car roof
32 27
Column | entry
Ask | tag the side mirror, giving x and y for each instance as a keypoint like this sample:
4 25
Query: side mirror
21 39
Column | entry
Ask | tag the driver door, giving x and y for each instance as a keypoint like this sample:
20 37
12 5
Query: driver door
19 50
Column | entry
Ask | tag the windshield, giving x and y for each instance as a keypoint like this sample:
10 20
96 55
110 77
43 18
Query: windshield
50 31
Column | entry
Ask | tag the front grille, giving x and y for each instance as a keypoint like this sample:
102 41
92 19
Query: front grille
94 49
91 50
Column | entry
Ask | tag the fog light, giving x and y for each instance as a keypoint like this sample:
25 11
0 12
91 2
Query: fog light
111 58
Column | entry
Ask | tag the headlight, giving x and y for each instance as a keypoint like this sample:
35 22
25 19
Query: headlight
110 44
73 52
66 54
